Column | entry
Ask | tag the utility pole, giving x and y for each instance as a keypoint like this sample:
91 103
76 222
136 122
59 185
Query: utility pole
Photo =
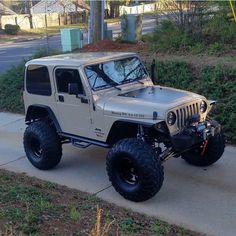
96 21
91 22
97 30
102 18
46 27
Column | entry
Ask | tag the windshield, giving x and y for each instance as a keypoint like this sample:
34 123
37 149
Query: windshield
112 73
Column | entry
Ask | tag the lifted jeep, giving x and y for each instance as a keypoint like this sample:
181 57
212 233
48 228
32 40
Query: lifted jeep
109 100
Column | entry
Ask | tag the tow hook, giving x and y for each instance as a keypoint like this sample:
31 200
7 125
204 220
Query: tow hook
204 146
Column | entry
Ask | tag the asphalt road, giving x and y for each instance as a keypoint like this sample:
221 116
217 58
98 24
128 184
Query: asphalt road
201 199
12 53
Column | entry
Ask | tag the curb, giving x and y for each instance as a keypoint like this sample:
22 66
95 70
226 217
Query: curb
24 40
20 40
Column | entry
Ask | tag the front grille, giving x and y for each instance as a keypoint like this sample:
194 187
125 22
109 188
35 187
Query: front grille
183 114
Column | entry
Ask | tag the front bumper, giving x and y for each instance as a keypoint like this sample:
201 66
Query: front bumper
194 135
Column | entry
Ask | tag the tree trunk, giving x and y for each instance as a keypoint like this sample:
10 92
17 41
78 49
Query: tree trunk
117 11
181 15
112 9
29 4
31 21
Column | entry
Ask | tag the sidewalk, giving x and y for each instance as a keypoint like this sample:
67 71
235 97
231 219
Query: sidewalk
201 199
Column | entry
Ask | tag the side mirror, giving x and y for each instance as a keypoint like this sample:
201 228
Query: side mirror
73 89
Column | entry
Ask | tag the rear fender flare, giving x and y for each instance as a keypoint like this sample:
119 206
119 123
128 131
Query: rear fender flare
35 112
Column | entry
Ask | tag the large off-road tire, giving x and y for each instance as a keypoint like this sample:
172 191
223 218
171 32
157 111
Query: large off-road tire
134 169
42 145
213 152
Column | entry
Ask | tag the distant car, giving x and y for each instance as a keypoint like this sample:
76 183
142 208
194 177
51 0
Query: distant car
109 100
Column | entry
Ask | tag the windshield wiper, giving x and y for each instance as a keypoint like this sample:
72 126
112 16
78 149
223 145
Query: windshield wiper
115 86
138 80
133 80
111 85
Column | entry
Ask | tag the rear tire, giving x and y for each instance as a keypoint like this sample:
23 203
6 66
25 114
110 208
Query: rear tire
42 145
213 152
134 170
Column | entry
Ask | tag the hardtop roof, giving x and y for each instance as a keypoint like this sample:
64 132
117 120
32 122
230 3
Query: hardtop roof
78 59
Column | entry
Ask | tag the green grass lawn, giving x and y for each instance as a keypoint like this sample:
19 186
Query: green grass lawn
52 30
4 40
56 29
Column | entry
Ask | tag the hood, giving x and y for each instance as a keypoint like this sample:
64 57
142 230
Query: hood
141 103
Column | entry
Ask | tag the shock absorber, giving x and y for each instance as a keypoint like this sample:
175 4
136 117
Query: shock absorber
140 134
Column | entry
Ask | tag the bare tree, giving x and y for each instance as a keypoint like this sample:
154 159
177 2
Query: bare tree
186 13
64 4
81 4
115 7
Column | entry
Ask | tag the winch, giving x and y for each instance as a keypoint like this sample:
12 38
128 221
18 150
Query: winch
193 134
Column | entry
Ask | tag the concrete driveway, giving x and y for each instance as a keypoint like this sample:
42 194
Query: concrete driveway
201 199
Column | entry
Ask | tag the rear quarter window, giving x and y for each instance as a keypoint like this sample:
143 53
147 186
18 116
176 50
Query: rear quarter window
38 80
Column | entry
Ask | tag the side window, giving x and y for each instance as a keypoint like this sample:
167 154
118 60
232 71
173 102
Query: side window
38 80
64 77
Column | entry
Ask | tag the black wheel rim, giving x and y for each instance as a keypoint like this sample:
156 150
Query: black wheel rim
128 172
36 147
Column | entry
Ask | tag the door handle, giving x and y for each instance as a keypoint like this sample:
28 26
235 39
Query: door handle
61 98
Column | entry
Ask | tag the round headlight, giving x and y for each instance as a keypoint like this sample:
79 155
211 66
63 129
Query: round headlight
171 118
203 107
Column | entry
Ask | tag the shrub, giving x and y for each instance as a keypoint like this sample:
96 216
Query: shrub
12 29
220 29
215 48
11 87
170 37
198 48
218 83
174 73
213 35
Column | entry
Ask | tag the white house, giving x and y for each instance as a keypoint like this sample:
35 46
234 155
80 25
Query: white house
58 6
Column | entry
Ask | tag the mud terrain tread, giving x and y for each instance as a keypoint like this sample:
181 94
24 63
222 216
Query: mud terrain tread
151 168
214 151
50 144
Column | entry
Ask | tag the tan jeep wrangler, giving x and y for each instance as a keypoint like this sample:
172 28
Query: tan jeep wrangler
109 100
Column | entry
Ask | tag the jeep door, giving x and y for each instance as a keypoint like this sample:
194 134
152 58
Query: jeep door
73 107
